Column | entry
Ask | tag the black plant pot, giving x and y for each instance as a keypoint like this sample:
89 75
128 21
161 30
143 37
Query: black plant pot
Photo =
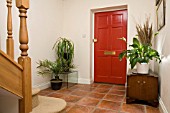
56 84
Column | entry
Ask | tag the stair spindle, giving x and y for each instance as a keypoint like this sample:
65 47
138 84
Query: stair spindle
9 41
23 36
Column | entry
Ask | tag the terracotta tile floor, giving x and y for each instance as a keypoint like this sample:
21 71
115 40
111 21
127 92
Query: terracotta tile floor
97 98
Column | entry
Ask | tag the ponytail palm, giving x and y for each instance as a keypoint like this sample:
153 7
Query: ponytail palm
65 51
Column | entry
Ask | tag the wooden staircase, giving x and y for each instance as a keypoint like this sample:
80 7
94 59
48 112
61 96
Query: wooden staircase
15 77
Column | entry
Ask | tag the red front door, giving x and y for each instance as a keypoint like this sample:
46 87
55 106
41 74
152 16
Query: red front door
109 26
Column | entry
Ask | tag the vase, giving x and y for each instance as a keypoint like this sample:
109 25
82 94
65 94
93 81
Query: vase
143 68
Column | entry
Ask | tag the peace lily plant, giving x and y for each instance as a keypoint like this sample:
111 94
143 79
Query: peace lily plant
141 51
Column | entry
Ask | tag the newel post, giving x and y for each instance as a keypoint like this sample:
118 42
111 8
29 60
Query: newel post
9 41
25 104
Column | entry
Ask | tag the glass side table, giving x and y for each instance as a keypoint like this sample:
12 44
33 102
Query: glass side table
69 78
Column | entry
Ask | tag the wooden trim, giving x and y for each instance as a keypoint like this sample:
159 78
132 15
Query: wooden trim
11 60
11 75
22 3
25 104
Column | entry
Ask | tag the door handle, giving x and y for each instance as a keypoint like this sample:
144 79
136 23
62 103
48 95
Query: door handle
95 40
109 52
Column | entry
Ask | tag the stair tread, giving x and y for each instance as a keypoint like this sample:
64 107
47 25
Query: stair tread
35 91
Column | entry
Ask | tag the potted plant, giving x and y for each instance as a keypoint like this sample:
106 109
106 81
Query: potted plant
64 62
65 51
47 67
141 51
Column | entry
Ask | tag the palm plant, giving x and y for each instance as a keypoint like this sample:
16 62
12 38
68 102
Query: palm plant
47 67
65 51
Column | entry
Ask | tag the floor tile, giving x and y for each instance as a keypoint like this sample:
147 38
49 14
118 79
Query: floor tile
71 98
119 87
124 101
86 88
79 93
94 85
49 90
73 88
80 85
88 101
56 95
150 109
43 93
107 86
64 91
96 98
96 95
109 105
133 108
101 90
81 109
115 98
117 92
67 108
104 111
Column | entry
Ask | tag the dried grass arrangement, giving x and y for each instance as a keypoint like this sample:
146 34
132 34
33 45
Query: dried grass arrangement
145 32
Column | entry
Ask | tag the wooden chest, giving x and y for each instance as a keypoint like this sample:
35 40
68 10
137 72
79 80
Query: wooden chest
142 89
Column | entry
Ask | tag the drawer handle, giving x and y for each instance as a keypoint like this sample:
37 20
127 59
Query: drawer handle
138 82
144 82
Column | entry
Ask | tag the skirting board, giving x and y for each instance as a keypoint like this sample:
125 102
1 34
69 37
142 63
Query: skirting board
162 106
84 81
47 84
42 86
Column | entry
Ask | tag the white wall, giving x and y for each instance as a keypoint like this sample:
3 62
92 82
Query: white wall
44 27
162 45
76 23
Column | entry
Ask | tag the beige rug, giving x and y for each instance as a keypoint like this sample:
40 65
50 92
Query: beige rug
49 105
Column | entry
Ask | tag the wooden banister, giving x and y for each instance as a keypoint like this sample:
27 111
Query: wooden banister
17 74
10 41
10 80
25 104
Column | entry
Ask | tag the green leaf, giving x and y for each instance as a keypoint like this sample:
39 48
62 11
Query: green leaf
156 33
134 45
136 42
133 63
122 55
